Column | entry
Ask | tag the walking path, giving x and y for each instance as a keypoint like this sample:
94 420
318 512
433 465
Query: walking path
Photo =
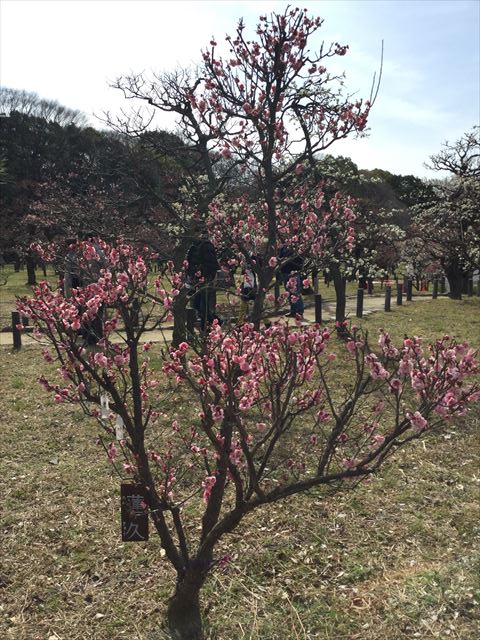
371 304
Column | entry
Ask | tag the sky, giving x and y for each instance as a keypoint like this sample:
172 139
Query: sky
70 50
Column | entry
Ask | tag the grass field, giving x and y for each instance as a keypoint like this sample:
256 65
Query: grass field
397 558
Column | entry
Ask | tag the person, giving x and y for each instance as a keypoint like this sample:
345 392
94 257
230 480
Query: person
248 291
291 266
201 271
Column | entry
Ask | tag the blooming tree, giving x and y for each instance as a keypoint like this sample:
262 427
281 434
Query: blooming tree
376 250
266 106
417 257
307 225
274 105
267 420
450 223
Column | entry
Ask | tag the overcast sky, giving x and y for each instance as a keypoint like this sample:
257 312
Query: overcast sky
69 50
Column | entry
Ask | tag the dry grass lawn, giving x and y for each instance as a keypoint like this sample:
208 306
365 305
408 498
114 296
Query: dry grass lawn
397 558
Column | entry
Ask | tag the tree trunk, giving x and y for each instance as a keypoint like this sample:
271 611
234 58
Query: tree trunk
31 275
179 306
179 309
17 265
455 282
265 276
257 311
184 618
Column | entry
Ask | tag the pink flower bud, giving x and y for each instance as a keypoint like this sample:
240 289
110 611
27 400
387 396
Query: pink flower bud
101 360
351 347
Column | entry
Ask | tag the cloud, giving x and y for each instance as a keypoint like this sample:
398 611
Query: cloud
393 108
383 153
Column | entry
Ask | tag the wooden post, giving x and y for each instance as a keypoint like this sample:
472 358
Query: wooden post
388 297
409 289
360 302
315 281
276 291
17 336
399 293
318 308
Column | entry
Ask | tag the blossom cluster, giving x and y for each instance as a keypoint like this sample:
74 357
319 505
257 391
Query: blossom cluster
267 411
253 385
305 223
254 98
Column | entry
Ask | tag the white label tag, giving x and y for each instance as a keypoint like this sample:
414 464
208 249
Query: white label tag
119 429
104 406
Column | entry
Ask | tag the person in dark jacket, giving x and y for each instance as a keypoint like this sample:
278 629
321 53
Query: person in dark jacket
201 271
291 266
248 291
